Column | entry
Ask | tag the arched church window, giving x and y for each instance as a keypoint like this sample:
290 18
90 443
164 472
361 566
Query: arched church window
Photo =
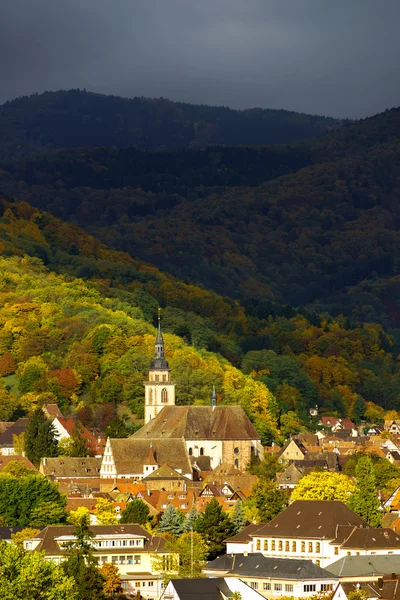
150 396
164 396
236 463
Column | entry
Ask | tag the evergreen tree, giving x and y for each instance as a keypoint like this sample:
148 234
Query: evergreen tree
365 501
268 499
81 564
189 523
78 445
136 512
214 526
40 439
171 521
238 518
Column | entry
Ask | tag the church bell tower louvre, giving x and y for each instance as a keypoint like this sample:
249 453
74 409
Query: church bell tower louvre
159 390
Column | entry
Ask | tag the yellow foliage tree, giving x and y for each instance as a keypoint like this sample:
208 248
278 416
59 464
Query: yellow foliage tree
323 486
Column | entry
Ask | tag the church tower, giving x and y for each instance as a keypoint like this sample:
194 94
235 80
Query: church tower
159 391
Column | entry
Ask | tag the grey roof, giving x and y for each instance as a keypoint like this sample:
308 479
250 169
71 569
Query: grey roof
360 566
70 467
318 519
199 589
255 564
199 423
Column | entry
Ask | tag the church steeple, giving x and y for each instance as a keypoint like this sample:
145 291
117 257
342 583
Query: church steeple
159 361
213 398
160 391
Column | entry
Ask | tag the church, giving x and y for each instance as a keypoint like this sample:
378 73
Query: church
181 436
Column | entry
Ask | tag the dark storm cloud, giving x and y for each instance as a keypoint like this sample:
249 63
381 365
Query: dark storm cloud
337 57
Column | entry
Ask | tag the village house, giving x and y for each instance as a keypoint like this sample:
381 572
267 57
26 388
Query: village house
70 468
385 588
7 438
64 429
210 589
392 426
129 547
320 531
274 577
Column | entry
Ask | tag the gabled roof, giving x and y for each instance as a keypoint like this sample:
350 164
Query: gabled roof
6 438
131 453
70 467
372 539
291 475
165 472
49 535
91 443
200 423
51 411
5 460
255 564
362 566
387 589
311 519
194 589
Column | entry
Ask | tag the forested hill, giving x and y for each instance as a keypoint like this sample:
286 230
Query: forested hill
86 342
326 234
79 118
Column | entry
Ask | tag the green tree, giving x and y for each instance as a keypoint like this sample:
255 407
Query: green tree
21 496
17 468
105 512
171 521
40 438
80 564
189 523
268 499
290 424
365 501
214 526
267 468
48 513
187 557
26 534
78 442
29 575
136 511
238 518
323 485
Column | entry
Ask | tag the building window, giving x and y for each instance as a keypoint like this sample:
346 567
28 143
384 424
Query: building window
267 586
309 587
280 545
201 451
258 545
277 587
254 585
318 547
286 546
156 378
265 544
273 545
349 554
303 546
150 396
336 550
318 563
294 546
310 548
164 377
288 587
326 587
190 451
236 463
137 559
164 396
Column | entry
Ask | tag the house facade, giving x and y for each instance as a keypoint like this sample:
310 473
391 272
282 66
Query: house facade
130 547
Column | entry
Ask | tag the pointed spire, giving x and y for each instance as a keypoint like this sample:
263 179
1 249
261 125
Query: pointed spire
159 361
213 398
151 459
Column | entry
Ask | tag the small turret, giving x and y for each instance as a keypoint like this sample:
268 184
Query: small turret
159 361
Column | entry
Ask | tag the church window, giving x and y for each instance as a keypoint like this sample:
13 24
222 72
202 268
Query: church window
236 463
150 396
164 396
201 451
236 450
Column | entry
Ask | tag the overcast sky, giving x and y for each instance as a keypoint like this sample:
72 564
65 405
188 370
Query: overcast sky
332 57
